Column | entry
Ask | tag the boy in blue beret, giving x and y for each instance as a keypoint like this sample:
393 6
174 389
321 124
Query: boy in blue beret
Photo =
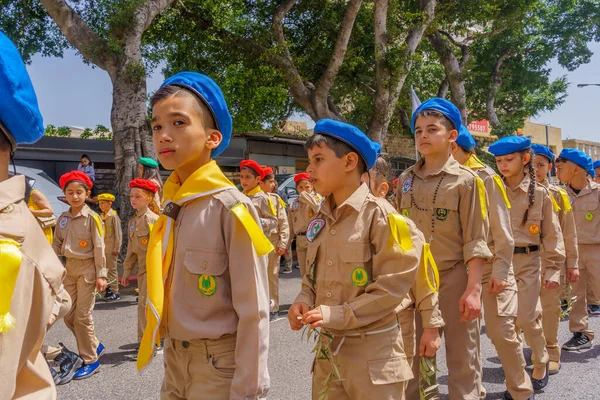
500 294
361 261
447 202
30 273
206 267
543 161
572 168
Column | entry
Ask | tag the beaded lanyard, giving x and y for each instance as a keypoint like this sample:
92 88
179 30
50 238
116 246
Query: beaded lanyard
414 203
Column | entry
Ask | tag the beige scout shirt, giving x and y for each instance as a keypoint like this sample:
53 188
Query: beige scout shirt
541 228
567 225
282 239
358 275
425 300
500 239
268 220
138 234
460 232
23 370
586 210
219 286
113 235
78 236
301 212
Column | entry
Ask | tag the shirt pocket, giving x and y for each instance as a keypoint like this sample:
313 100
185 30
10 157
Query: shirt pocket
356 267
534 223
83 239
406 205
206 285
587 226
143 236
445 211
390 370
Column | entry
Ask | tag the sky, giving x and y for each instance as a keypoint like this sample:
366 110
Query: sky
72 93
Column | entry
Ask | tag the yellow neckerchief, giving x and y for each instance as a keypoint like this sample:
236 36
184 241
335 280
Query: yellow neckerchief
565 199
474 163
108 214
206 181
281 202
256 190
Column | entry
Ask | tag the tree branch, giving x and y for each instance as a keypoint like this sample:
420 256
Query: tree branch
496 82
79 34
147 11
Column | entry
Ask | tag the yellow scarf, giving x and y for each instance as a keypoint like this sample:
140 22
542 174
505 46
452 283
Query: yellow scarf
206 181
256 190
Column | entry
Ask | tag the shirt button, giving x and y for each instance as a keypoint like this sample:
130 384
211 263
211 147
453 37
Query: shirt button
330 263
329 295
333 231
205 264
185 344
425 181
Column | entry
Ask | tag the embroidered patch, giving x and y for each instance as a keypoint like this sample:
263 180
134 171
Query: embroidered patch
360 277
589 216
314 227
407 185
295 205
311 214
131 226
534 229
441 214
83 244
207 285
144 241
405 212
63 222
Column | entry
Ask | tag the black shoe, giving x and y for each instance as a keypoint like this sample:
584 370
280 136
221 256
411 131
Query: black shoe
55 376
564 305
286 271
539 384
578 341
69 364
109 295
274 316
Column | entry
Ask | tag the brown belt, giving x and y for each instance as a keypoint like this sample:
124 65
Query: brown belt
526 249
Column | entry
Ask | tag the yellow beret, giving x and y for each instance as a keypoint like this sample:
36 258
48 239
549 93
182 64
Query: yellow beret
106 197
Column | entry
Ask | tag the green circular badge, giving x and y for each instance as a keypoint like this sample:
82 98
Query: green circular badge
405 212
207 285
441 214
589 216
360 277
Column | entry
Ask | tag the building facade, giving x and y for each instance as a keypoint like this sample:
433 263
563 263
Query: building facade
592 149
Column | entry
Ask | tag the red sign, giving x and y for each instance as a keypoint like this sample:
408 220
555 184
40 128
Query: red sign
479 126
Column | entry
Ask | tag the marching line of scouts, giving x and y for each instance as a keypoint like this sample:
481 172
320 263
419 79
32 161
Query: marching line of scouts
385 281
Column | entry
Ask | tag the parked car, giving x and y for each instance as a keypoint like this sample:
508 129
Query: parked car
39 180
287 189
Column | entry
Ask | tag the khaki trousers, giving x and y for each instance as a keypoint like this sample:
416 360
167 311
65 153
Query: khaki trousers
301 247
141 305
589 277
500 314
111 266
201 369
529 317
550 300
50 352
273 273
371 367
80 283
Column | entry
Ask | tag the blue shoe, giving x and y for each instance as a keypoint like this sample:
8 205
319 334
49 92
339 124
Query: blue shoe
100 350
593 309
87 370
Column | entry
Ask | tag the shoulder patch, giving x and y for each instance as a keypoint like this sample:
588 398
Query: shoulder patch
228 198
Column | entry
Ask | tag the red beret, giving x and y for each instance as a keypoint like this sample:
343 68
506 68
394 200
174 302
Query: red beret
253 165
75 176
301 176
395 181
144 184
268 171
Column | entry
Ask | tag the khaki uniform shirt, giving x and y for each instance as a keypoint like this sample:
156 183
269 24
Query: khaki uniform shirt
138 234
219 286
567 225
586 210
460 233
358 274
301 212
113 235
23 370
282 239
78 236
268 220
541 228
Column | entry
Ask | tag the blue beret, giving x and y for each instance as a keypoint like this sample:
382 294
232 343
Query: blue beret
465 139
509 144
596 164
592 173
352 136
211 95
578 158
19 111
442 105
541 150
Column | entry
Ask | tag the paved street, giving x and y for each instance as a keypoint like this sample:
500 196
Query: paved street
289 360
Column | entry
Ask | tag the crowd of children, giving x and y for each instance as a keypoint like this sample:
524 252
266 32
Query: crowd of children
387 265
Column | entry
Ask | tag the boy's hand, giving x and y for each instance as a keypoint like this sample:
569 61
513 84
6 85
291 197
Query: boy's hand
125 280
550 285
430 342
470 303
313 317
295 311
496 286
573 275
100 284
280 251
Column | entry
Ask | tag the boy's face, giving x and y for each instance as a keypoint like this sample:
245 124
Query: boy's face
511 165
179 136
432 136
85 162
597 178
328 171
304 186
268 186
105 205
76 194
138 198
247 180
542 167
566 171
